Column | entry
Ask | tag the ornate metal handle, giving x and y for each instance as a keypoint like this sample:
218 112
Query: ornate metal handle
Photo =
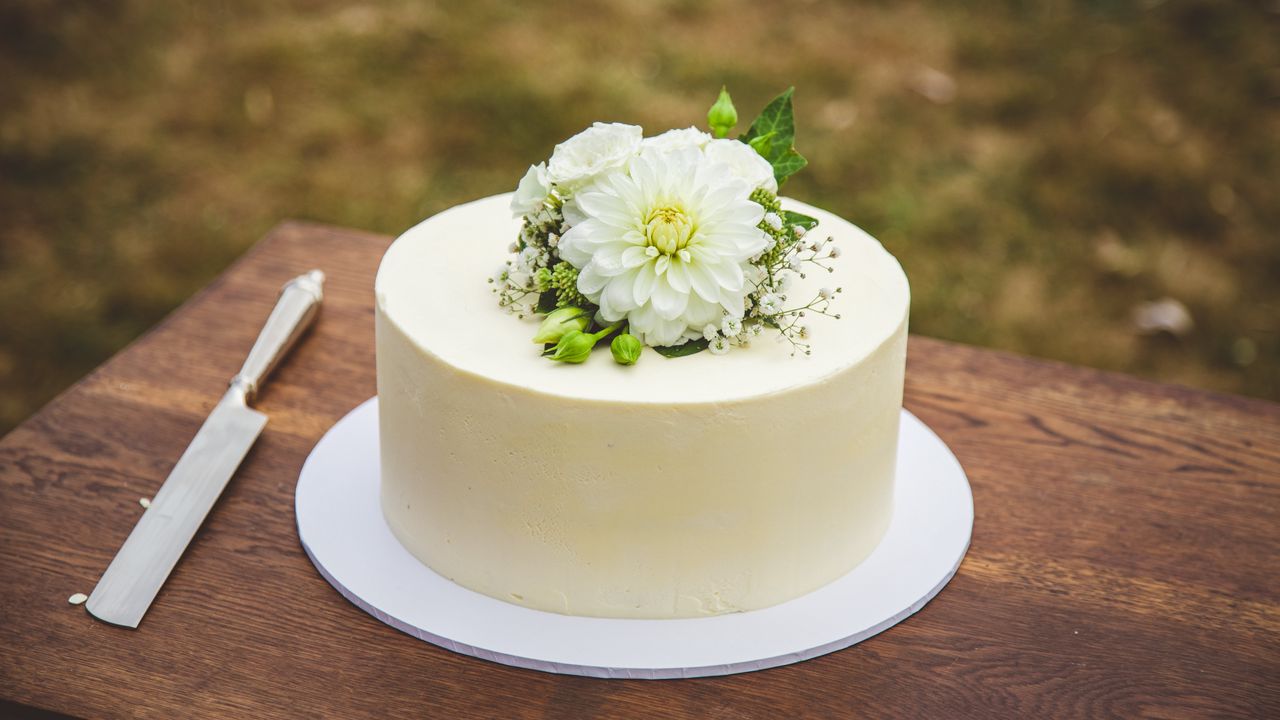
293 313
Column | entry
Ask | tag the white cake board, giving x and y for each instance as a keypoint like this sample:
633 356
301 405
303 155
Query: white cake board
342 529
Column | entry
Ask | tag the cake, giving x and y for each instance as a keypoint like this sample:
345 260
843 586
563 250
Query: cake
674 487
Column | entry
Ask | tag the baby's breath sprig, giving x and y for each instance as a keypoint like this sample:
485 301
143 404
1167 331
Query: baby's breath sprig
516 294
535 279
789 252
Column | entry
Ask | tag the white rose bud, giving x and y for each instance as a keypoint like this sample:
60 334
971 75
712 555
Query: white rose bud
690 137
599 149
532 191
744 162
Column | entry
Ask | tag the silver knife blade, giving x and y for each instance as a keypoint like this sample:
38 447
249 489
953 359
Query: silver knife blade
147 557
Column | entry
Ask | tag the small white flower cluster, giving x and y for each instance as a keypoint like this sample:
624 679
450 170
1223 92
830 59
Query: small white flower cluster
731 331
525 275
790 252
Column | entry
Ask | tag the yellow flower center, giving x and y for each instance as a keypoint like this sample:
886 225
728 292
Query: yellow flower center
668 229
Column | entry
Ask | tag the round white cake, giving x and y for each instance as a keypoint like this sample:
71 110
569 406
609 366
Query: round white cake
673 488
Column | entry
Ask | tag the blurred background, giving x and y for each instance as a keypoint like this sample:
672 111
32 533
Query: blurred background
1096 182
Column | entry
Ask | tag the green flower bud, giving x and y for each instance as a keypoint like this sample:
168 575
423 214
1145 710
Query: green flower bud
722 116
574 347
559 322
542 279
626 349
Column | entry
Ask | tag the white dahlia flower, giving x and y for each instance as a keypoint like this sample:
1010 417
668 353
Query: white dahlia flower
745 162
666 245
532 192
601 148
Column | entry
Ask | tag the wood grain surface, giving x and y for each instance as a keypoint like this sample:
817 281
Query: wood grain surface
1124 559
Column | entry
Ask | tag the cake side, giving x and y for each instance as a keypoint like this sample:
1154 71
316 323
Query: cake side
618 510
609 494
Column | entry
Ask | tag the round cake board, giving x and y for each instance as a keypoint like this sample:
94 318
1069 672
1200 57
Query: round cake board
342 529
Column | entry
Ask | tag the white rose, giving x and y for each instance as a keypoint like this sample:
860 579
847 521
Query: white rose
676 139
532 192
745 162
598 149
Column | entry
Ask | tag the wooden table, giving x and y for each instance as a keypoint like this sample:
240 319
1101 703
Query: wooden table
1124 557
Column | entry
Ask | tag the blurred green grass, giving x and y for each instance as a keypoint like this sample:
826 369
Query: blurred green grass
1039 168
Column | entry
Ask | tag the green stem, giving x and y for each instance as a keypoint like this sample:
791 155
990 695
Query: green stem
606 332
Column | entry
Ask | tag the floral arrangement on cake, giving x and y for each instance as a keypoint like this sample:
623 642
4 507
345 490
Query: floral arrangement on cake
676 241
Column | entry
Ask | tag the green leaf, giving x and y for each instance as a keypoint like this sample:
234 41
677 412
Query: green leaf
778 118
789 164
547 301
794 218
690 348
773 135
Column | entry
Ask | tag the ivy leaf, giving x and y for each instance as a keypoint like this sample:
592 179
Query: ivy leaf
791 217
789 164
773 135
690 348
547 302
777 118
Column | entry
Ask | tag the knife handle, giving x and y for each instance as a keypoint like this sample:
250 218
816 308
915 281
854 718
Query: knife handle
299 301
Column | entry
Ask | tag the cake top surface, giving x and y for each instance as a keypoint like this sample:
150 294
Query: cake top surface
432 286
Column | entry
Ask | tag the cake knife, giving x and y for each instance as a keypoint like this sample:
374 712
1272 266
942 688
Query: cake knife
149 554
